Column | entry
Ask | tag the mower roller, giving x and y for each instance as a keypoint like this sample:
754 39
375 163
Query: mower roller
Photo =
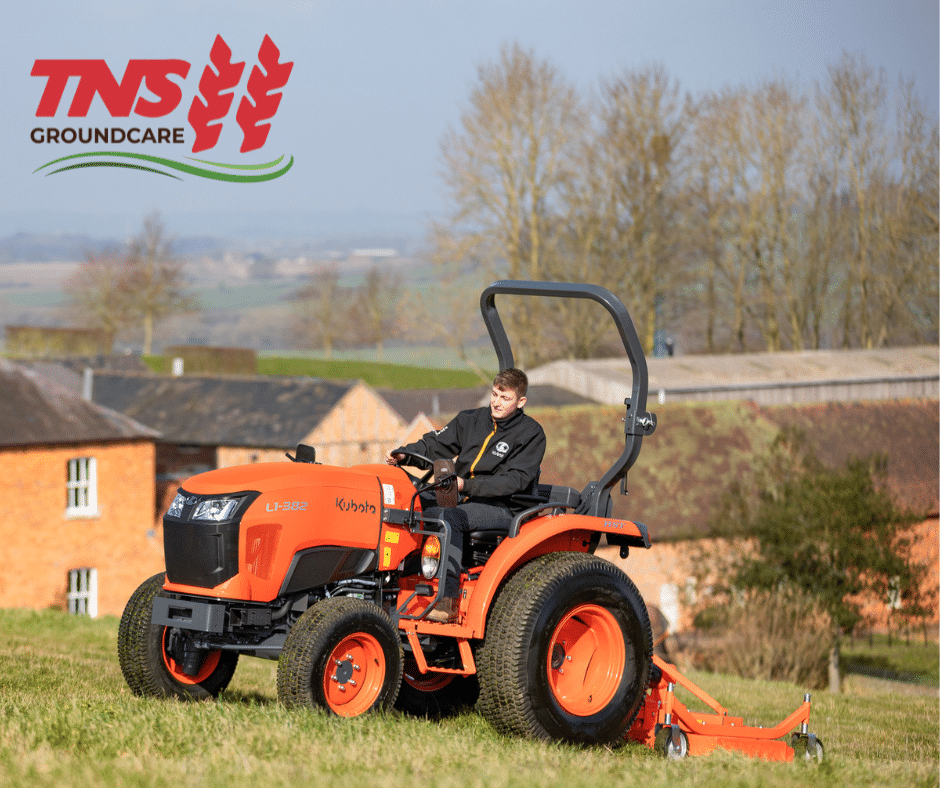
333 572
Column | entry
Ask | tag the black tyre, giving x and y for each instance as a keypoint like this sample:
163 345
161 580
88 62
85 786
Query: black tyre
666 745
145 654
342 655
803 751
567 652
435 695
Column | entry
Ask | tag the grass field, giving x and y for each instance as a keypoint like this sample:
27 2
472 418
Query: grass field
68 718
909 657
375 373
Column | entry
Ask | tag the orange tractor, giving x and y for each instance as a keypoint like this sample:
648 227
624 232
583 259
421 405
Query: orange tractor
333 571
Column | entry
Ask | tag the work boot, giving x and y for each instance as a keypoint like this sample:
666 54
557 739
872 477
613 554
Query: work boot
447 494
445 612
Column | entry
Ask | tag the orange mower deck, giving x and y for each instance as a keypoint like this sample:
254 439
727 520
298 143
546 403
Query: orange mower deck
669 726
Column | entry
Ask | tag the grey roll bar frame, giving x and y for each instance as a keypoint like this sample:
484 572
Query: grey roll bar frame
595 499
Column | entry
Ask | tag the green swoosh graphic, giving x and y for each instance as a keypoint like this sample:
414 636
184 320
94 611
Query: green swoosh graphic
240 166
176 165
113 164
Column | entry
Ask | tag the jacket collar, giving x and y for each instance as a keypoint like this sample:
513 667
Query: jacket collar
509 421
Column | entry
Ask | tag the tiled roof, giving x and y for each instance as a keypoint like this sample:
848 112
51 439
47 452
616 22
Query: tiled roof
35 410
609 380
408 403
264 412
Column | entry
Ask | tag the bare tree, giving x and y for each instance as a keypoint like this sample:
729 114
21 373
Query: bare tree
96 292
141 286
642 125
322 311
502 169
885 176
155 278
374 308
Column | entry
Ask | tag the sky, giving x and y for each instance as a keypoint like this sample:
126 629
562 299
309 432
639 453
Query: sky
375 85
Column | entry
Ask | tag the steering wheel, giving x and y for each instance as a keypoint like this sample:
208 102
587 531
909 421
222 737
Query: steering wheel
421 457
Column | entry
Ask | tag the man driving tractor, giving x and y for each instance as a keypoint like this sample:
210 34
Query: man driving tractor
497 451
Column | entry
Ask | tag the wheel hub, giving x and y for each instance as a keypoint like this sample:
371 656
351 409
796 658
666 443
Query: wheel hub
345 669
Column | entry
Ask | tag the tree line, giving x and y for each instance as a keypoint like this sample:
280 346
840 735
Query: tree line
765 217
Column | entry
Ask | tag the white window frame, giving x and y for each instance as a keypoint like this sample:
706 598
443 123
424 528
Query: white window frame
81 487
82 595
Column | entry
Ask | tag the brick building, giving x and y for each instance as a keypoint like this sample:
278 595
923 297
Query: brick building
77 481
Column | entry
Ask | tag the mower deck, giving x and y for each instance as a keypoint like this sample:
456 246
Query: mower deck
668 725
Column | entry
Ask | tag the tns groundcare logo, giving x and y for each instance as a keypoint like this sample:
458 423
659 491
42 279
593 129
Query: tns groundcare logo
209 112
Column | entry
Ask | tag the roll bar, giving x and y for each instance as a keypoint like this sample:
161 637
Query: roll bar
595 499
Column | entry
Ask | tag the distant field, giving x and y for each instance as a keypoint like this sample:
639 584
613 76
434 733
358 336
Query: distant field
67 718
377 374
380 375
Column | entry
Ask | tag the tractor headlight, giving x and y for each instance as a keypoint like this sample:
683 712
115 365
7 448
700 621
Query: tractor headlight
215 509
176 508
430 557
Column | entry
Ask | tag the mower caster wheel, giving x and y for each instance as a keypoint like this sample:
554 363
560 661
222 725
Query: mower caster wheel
804 750
667 747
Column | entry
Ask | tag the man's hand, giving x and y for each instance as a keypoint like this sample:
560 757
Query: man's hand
394 459
459 484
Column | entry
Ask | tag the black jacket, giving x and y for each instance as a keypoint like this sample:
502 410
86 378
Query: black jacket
496 459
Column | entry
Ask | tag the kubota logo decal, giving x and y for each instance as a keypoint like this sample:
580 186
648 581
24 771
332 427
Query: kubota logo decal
208 113
353 506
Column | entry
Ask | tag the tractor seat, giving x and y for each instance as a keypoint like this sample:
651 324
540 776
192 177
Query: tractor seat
540 493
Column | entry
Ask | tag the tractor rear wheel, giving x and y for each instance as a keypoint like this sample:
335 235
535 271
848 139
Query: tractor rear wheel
567 652
146 654
342 655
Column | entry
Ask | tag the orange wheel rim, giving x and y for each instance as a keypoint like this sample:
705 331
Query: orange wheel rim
354 675
586 659
209 664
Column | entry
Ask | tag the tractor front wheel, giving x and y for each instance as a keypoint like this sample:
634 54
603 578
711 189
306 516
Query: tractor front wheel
567 652
148 654
342 655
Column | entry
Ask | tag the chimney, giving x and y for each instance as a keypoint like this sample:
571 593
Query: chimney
88 383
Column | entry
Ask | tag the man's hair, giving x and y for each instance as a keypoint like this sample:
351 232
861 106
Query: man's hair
512 379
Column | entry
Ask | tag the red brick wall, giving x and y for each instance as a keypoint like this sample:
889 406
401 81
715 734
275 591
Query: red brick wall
41 543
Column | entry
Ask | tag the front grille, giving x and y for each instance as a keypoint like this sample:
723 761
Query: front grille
201 553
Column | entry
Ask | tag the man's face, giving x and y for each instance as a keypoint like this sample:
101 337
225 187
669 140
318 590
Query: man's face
504 402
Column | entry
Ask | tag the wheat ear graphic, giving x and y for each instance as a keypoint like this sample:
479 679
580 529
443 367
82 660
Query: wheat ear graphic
215 105
260 103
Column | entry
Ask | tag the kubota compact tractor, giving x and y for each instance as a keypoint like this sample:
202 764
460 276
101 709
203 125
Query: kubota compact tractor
333 571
